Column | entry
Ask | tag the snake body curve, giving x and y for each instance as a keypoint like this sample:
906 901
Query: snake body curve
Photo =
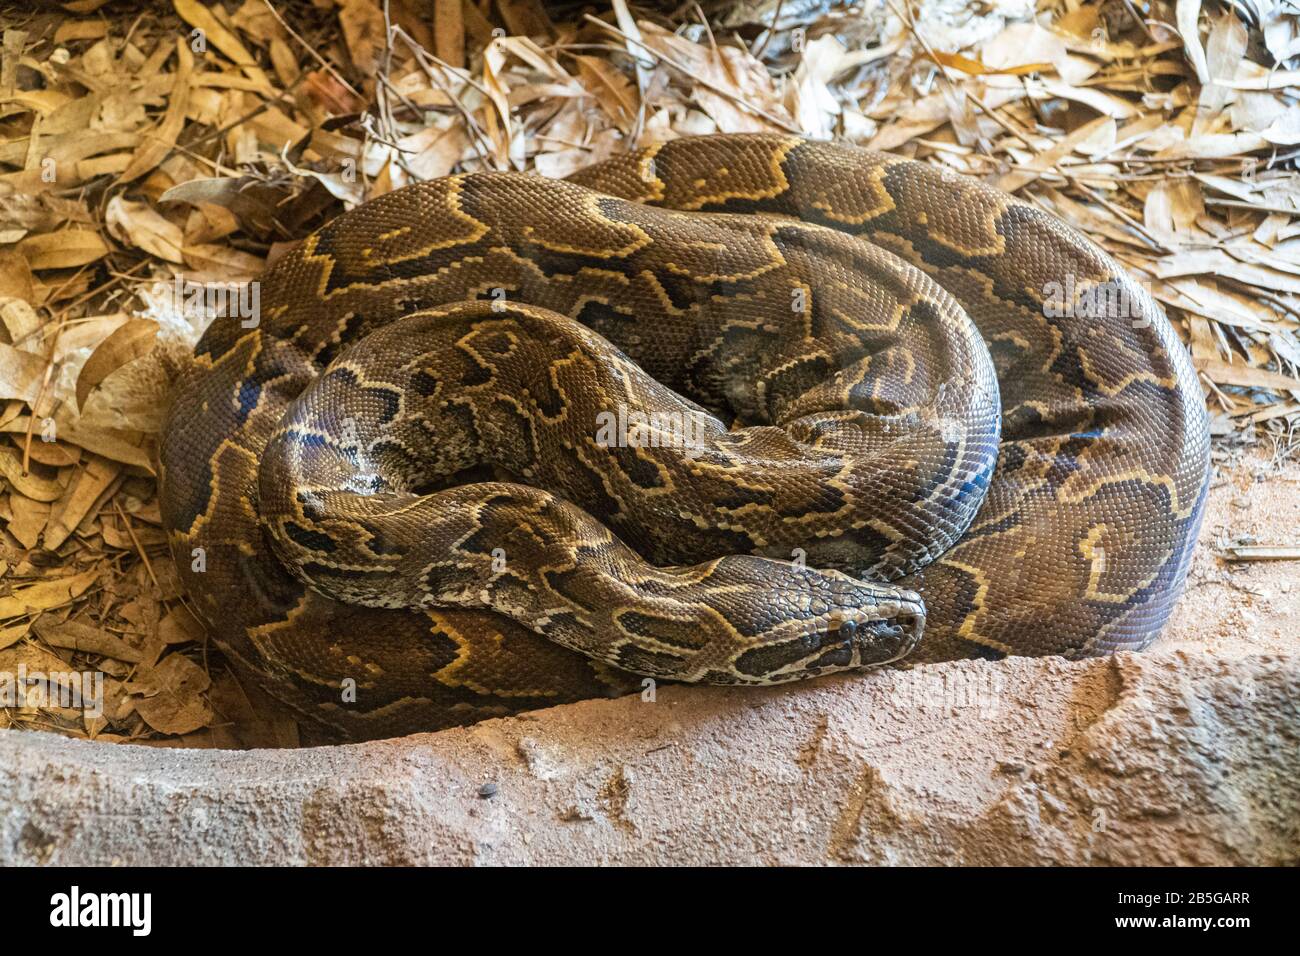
847 418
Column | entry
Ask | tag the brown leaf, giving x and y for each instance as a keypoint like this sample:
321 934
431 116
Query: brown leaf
526 18
363 32
1245 375
180 626
46 595
77 636
21 374
449 32
172 701
200 17
28 484
29 519
83 493
65 249
253 202
138 224
976 68
132 340
159 143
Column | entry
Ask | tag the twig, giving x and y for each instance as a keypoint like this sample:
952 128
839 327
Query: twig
771 31
312 50
479 138
136 541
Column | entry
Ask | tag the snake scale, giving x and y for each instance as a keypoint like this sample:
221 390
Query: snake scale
731 409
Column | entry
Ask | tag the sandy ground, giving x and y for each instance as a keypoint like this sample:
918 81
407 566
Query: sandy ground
1243 607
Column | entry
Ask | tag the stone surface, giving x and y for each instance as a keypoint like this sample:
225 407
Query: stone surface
1161 758
1186 754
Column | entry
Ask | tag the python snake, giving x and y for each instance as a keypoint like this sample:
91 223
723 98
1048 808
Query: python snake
732 409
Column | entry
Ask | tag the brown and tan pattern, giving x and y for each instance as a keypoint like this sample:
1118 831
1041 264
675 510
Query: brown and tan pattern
722 410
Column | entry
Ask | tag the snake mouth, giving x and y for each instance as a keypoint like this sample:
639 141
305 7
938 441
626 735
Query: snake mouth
875 636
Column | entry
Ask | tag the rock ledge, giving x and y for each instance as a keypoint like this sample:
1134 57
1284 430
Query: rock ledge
1157 758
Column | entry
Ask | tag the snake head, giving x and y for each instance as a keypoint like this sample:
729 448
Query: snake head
807 622
874 625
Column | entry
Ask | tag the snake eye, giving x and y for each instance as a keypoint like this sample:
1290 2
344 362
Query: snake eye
847 629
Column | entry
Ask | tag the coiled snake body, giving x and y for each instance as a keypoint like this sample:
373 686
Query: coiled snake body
734 409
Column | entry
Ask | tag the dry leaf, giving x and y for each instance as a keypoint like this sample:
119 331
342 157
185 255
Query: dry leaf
133 339
45 595
137 224
65 249
171 700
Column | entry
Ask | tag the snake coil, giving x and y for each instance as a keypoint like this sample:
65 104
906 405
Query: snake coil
734 409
